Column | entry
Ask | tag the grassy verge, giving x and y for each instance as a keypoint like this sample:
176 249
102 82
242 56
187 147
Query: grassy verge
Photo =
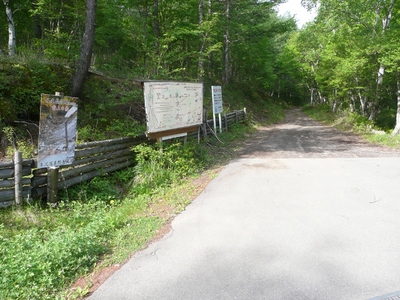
102 222
349 121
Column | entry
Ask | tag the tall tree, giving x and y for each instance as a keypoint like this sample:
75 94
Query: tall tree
227 42
11 29
200 72
354 41
83 65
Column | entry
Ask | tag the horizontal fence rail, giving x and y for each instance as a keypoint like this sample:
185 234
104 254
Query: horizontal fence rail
91 159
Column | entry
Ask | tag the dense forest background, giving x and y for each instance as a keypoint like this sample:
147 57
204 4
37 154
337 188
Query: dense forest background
347 59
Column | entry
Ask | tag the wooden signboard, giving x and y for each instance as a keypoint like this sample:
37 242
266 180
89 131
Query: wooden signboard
173 107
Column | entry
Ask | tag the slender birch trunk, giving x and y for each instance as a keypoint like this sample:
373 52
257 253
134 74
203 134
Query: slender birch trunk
381 70
11 29
227 42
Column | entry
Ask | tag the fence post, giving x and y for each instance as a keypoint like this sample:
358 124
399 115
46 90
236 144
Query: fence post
52 184
204 125
18 177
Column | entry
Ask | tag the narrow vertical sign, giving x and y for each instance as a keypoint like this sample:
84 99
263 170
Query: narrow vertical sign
216 92
217 99
57 130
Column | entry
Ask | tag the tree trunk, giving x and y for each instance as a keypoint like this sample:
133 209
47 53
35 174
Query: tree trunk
227 41
82 68
3 141
200 69
312 100
396 129
385 24
363 103
11 29
37 25
157 30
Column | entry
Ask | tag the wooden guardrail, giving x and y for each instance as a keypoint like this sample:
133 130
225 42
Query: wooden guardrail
91 159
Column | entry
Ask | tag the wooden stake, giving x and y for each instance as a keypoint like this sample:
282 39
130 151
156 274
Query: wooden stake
52 184
18 177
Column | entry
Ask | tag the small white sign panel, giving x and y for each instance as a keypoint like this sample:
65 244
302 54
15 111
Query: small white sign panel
217 99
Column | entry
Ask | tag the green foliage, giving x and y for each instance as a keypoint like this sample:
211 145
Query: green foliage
344 119
23 83
103 221
392 141
132 42
350 60
110 111
98 189
45 250
386 118
38 263
23 140
351 120
157 168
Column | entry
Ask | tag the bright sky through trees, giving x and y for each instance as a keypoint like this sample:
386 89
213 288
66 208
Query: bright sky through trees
294 8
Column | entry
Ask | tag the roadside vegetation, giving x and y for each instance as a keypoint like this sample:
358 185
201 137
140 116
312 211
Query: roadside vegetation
351 121
96 224
262 61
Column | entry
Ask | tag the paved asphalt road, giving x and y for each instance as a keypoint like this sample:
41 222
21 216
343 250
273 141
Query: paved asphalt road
300 215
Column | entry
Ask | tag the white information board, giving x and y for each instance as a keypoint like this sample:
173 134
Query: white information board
172 105
216 92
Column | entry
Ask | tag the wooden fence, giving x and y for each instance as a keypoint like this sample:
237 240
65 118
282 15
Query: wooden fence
91 160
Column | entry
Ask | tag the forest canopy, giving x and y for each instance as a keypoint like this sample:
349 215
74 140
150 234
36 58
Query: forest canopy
346 58
216 42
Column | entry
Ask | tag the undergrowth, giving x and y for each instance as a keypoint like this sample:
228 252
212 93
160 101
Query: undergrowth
351 121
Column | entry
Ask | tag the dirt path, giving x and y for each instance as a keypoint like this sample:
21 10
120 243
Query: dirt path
300 136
